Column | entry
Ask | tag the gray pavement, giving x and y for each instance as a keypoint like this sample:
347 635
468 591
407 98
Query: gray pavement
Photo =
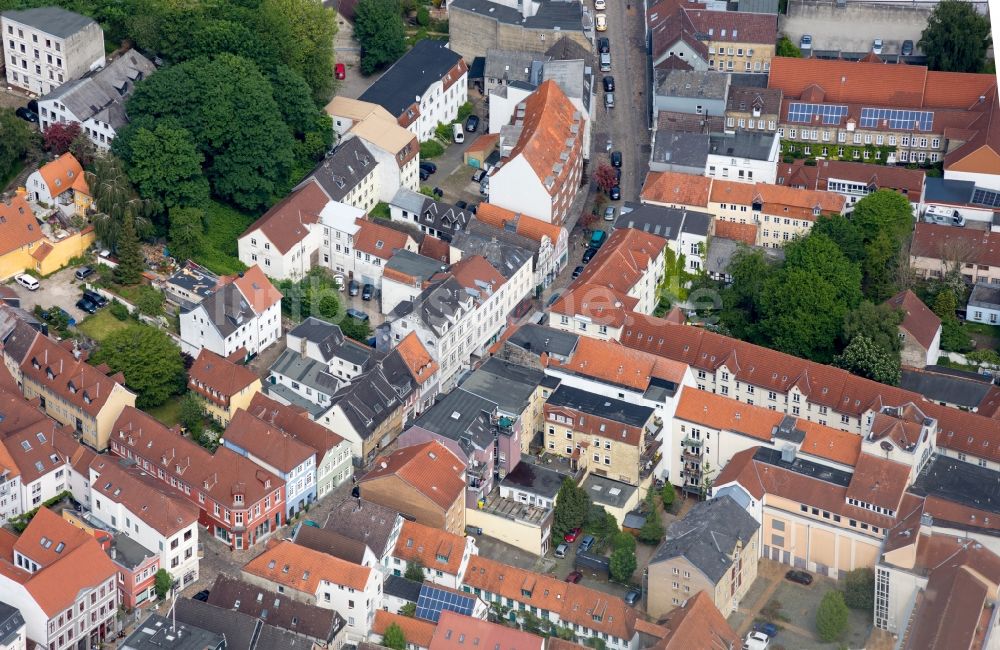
853 28
60 289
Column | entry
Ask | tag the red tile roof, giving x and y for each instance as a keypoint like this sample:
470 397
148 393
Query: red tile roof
778 199
474 272
435 248
697 624
257 289
612 362
36 451
62 174
908 181
878 481
458 632
604 306
416 631
300 568
287 222
295 422
145 497
965 245
18 226
75 381
741 232
381 241
918 319
419 361
430 468
435 549
269 444
529 227
674 188
623 260
217 379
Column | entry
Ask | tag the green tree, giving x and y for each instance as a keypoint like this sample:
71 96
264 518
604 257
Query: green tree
115 199
879 322
863 357
883 212
945 305
192 416
571 508
150 301
741 301
409 610
378 26
130 260
187 232
302 33
787 48
956 38
621 539
668 495
18 139
165 164
359 330
294 99
622 565
423 17
844 233
394 637
601 523
151 362
987 357
859 592
414 571
652 531
162 584
831 617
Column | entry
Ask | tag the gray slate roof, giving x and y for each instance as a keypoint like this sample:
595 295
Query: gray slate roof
341 171
743 144
551 14
566 49
505 256
607 492
541 338
414 264
680 148
436 305
101 95
227 309
364 521
665 222
510 65
241 632
534 478
601 406
10 622
438 215
707 535
153 633
964 391
409 77
51 20
333 344
305 371
401 588
462 416
703 84
370 399
985 295
508 384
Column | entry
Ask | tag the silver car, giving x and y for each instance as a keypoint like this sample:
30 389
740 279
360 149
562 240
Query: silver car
609 100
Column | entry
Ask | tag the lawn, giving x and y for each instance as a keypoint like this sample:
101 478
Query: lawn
169 412
982 328
100 325
223 226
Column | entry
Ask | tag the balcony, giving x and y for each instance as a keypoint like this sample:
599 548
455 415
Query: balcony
688 441
690 456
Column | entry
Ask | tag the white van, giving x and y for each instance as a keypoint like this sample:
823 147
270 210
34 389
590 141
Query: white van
944 216
458 133
26 281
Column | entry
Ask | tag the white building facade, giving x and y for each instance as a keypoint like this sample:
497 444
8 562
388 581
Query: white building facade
48 46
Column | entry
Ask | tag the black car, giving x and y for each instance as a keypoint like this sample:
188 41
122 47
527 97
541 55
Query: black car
438 192
603 45
473 208
86 306
353 288
461 205
202 595
618 175
429 167
95 298
907 49
616 159
26 114
577 271
589 254
609 84
801 577
472 123
424 174
615 193
367 291
477 176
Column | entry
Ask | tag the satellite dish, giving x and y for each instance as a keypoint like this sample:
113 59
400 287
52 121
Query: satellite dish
886 445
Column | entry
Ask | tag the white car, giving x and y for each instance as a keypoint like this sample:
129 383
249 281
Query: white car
877 46
756 641
600 5
602 22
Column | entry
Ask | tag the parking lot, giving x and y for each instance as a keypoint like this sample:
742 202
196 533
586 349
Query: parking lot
853 29
60 289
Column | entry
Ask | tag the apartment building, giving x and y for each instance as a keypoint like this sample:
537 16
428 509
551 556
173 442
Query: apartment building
676 190
743 156
46 47
443 555
686 231
374 246
423 88
435 218
551 249
62 582
349 175
223 387
937 250
12 623
541 152
853 180
240 502
133 504
35 459
752 109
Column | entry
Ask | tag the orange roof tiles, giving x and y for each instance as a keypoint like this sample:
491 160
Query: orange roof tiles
741 232
36 451
257 289
878 481
673 188
419 361
604 306
611 361
300 568
295 422
723 413
529 227
143 495
778 199
416 631
287 222
918 319
832 444
697 624
966 245
18 226
434 548
474 272
62 174
623 260
269 444
378 240
430 468
217 379
458 632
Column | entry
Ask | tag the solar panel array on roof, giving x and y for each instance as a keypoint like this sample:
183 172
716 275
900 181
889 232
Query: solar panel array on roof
806 113
432 600
897 119
988 198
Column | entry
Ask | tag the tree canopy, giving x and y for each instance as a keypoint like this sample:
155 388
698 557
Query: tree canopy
394 637
831 616
572 507
165 164
863 357
17 141
151 362
956 38
378 26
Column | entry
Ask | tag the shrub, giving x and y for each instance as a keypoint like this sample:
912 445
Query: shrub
118 310
831 617
860 590
423 17
431 149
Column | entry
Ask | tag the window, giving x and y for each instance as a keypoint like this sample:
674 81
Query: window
777 540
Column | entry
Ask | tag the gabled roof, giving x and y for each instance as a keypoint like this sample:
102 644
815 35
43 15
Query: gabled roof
216 378
63 174
530 227
75 381
673 188
698 623
611 362
18 226
296 423
918 319
478 276
434 548
416 631
378 240
331 542
741 232
270 444
429 468
287 222
365 521
965 245
257 289
302 569
623 260
341 171
778 199
428 62
122 481
418 360
454 631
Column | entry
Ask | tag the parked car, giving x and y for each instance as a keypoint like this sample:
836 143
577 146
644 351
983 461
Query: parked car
340 71
357 314
605 59
907 48
429 167
586 543
633 595
95 298
801 577
424 174
553 298
367 291
461 205
600 5
84 272
472 123
26 114
602 22
571 536
615 193
26 281
588 255
86 306
353 288
770 629
561 550
478 175
756 641
609 100
616 159
603 45
877 46
574 577
609 213
202 595
473 530
457 134
806 42
609 83
577 271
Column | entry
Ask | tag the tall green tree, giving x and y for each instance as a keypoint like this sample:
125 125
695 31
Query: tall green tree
192 416
302 32
18 139
414 571
741 301
162 583
378 26
879 322
394 637
187 232
883 212
844 233
165 164
860 590
115 199
787 48
956 38
150 361
863 357
572 505
831 616
130 259
652 530
622 565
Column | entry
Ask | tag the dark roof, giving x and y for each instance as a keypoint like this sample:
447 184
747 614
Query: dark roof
508 384
341 171
51 20
227 309
680 148
551 14
10 622
540 338
436 305
695 84
566 49
963 391
601 406
985 295
414 264
496 246
241 632
534 478
742 144
160 633
665 222
411 75
804 467
305 371
606 491
364 521
101 94
19 340
945 190
438 215
371 398
401 588
707 535
333 344
276 609
331 542
128 552
959 482
462 416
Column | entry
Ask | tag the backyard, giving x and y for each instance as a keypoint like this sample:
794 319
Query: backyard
101 325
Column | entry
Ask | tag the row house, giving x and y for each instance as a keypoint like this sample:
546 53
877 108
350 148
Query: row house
871 112
137 567
444 556
423 88
395 148
36 460
349 174
603 435
243 316
222 386
86 398
315 578
132 503
588 613
63 583
853 180
240 502
686 231
541 152
938 250
46 47
549 242
752 109
284 240
625 275
404 277
374 246
431 217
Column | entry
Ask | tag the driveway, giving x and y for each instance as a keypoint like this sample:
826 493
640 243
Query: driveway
853 28
60 289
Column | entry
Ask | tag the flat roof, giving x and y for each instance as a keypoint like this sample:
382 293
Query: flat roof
160 633
510 509
964 391
534 478
601 406
608 492
959 482
804 467
52 20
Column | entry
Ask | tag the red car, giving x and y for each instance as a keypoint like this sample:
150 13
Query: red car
571 536
574 577
339 71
